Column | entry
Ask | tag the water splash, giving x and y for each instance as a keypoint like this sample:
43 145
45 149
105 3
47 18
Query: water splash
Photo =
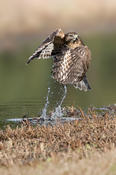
58 110
44 110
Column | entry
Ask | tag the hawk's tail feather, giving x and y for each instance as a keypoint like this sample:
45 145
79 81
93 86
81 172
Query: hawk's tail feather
83 85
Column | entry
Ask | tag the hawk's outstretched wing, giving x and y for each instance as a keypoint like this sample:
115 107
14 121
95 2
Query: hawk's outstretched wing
45 49
71 65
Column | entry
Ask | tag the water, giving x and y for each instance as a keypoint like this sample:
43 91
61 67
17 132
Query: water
44 110
24 90
58 109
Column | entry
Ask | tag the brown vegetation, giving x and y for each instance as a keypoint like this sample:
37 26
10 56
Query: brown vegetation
27 143
69 164
63 148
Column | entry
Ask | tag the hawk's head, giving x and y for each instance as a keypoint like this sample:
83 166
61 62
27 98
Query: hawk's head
73 40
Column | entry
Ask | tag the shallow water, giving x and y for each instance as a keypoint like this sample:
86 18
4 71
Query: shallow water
62 115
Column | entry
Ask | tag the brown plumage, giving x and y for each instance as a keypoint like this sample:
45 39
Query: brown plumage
71 58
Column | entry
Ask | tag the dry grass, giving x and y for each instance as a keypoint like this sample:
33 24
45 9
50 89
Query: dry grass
69 164
81 147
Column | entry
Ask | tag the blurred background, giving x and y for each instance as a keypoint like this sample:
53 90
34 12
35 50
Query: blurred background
23 26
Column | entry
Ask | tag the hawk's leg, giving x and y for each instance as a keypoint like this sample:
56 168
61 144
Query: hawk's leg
64 96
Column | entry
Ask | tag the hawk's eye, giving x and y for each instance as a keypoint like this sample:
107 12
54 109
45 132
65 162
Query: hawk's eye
70 37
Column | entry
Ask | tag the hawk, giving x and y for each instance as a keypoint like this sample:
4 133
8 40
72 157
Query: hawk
71 58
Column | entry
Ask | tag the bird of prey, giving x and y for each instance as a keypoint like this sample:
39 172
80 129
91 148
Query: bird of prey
71 58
